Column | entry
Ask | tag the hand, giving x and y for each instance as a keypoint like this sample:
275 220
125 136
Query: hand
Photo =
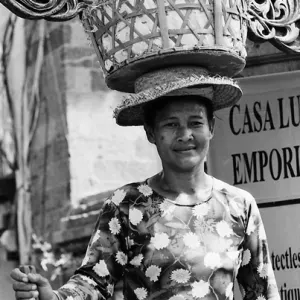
31 286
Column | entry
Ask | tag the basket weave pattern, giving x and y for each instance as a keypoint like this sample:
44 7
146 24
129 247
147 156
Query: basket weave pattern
127 30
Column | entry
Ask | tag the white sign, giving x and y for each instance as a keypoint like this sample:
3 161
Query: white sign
257 141
282 228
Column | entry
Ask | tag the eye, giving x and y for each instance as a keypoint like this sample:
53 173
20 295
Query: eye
171 124
196 123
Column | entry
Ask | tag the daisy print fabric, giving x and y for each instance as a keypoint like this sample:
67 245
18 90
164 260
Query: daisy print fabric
145 246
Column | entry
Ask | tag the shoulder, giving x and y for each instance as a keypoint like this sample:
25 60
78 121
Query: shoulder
240 202
233 192
139 187
130 191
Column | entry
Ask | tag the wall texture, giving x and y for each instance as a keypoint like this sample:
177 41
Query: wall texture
49 154
77 151
264 58
15 78
103 155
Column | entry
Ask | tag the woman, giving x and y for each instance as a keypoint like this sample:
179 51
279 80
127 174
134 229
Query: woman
180 234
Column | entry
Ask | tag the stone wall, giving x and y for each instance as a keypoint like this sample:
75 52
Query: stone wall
264 58
78 151
103 155
49 154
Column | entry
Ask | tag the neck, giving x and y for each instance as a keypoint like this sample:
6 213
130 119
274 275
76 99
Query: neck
188 182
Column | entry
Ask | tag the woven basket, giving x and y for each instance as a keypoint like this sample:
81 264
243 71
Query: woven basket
132 37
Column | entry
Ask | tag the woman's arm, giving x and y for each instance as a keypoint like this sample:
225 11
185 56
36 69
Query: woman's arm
256 277
102 265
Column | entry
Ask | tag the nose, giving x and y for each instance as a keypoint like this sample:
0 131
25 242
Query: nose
184 134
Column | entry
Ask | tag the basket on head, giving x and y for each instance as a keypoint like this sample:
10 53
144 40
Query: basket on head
133 37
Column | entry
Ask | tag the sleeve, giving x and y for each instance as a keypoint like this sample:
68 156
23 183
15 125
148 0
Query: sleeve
255 276
104 261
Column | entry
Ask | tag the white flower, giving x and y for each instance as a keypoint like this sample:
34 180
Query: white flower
180 276
96 236
135 216
212 260
200 210
177 297
261 297
229 291
260 266
88 280
200 289
141 293
110 289
191 240
262 233
114 226
137 260
167 208
153 272
160 240
121 258
145 190
251 226
223 229
101 269
246 257
263 270
118 197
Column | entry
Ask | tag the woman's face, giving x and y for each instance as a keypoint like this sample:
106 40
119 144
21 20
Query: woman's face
182 133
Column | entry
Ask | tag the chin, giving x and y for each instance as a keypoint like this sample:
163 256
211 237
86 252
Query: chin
186 166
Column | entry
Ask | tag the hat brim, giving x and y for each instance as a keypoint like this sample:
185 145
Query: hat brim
130 113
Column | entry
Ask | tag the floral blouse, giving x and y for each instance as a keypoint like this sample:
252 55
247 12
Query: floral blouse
151 248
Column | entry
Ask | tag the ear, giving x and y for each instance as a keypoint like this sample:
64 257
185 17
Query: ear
149 133
212 127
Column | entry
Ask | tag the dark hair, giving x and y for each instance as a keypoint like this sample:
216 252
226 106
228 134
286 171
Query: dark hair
150 109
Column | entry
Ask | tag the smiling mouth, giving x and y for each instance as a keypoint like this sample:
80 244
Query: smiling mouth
185 150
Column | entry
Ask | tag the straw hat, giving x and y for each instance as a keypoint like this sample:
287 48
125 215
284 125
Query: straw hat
176 81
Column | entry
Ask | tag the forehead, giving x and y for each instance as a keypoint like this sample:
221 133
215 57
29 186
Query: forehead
183 107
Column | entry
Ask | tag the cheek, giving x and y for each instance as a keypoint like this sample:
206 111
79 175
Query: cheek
203 140
164 138
163 141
